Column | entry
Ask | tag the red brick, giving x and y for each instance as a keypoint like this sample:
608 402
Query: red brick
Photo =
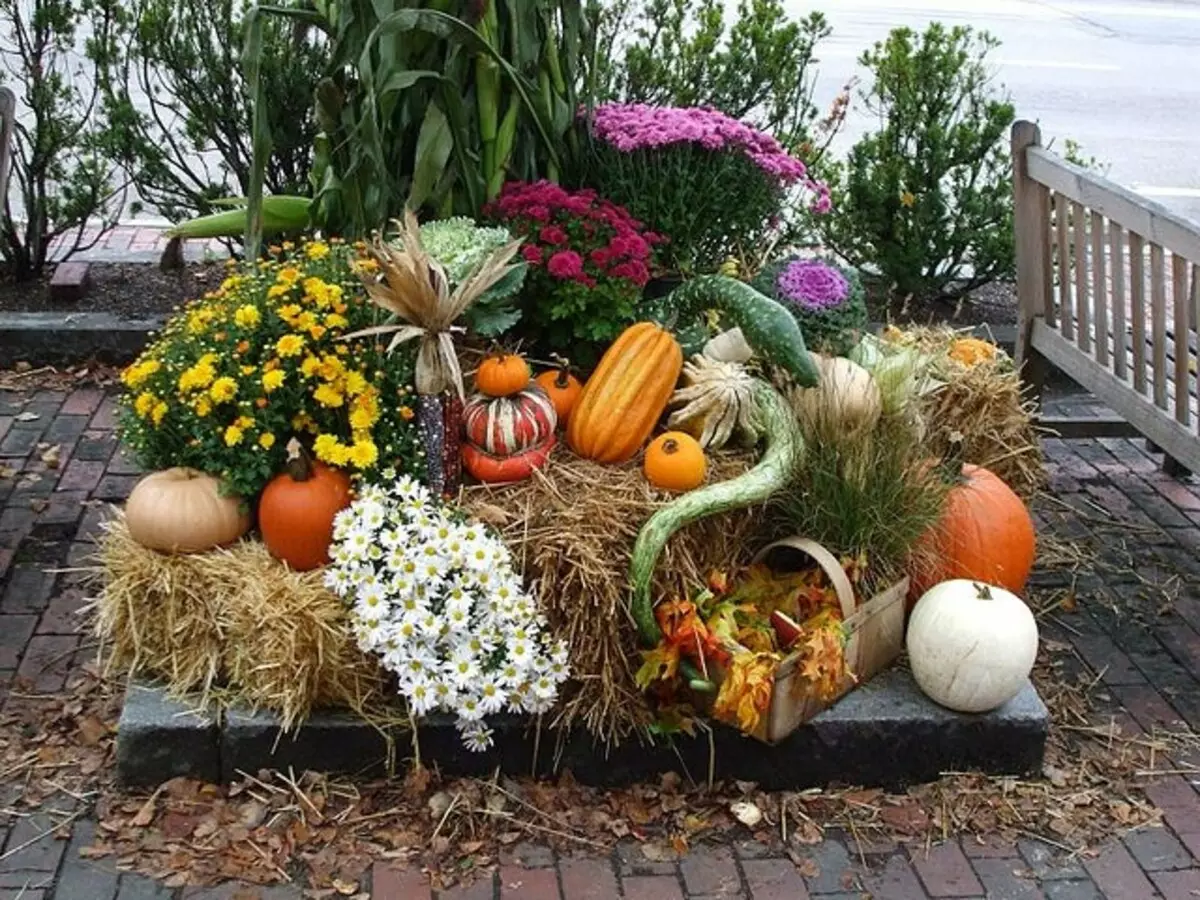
1178 494
1008 878
709 870
650 887
896 881
6 557
81 475
1118 876
119 238
1104 658
1191 839
1180 885
988 846
5 424
47 661
105 417
1146 705
517 883
15 632
388 883
587 878
945 871
1179 802
482 888
1184 644
773 879
82 402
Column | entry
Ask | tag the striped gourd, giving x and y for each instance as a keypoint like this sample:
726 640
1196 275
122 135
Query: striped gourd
626 395
503 426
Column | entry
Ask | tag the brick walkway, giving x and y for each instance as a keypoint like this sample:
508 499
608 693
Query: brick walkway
137 244
1147 658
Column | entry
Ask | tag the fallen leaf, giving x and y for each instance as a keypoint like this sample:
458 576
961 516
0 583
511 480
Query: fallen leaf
746 812
92 730
345 888
7 471
809 868
659 851
27 417
145 815
1057 776
52 457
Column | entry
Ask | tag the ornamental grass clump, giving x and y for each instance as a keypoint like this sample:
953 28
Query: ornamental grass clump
588 262
711 184
826 300
438 600
259 360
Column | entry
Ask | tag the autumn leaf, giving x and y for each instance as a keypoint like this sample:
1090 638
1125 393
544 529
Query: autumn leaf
658 664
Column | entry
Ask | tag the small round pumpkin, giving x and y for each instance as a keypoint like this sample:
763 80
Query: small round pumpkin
971 646
502 374
564 390
297 508
985 534
182 511
675 462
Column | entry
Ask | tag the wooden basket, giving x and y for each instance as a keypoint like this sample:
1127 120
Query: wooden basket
875 637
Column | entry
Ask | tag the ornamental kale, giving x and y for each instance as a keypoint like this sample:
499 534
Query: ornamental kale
826 300
709 183
460 245
588 262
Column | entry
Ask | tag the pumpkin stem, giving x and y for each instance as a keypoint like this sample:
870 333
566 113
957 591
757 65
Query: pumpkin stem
563 379
299 464
670 445
983 591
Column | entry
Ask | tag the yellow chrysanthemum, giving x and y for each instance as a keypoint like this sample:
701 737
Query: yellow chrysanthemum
305 321
316 332
202 406
277 290
328 395
233 436
232 283
247 316
360 419
289 312
288 275
333 320
144 404
197 377
223 390
266 440
332 368
326 447
363 454
290 345
356 384
273 380
158 413
316 250
136 375
310 367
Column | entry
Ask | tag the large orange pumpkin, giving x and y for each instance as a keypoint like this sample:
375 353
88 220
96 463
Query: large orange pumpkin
297 508
626 395
985 534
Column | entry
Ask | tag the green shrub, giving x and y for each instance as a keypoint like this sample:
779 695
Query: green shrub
926 201
61 176
827 300
187 141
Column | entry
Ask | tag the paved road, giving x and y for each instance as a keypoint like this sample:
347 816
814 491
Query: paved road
1122 77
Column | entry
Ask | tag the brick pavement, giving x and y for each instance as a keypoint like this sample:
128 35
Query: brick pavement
1145 653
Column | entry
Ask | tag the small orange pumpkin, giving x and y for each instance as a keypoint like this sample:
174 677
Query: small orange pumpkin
675 462
564 390
297 508
985 534
502 374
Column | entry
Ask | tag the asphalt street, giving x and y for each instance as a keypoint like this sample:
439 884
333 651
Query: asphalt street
1122 78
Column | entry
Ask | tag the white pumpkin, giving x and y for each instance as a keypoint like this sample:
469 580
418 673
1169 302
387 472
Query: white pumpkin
182 511
846 397
971 646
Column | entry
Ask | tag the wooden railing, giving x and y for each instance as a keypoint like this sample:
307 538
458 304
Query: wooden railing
1109 288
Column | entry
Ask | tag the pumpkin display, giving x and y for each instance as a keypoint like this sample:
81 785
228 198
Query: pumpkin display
502 374
182 511
626 395
517 466
971 646
297 508
502 426
985 534
675 462
563 389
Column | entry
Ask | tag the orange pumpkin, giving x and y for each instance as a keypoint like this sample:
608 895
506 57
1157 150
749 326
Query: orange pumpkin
297 508
985 534
626 395
564 390
675 462
502 374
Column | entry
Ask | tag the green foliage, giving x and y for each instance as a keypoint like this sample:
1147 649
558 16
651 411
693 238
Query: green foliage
61 172
683 53
433 103
834 330
186 140
926 200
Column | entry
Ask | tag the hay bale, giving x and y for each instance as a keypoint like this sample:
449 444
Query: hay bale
232 624
571 529
983 408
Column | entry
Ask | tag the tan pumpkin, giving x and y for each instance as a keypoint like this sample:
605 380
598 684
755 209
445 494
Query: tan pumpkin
626 395
182 511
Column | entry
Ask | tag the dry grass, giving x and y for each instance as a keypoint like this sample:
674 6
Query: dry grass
984 407
572 528
232 624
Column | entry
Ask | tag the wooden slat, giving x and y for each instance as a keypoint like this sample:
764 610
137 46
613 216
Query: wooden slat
1062 215
1152 220
1099 289
1158 325
1137 302
1179 292
1116 245
1047 253
1080 263
1175 440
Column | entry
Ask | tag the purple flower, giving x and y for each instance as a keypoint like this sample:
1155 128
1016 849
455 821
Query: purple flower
812 284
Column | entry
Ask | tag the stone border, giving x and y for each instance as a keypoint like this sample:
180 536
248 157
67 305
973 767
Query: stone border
886 734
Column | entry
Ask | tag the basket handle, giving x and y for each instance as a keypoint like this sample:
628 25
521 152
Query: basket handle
827 561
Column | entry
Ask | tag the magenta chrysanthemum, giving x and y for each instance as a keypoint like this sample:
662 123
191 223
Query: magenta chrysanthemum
812 284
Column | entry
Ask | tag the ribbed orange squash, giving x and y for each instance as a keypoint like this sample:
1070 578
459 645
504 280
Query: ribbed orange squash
626 395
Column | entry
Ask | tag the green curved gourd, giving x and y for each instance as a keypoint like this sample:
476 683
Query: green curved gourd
767 326
784 449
